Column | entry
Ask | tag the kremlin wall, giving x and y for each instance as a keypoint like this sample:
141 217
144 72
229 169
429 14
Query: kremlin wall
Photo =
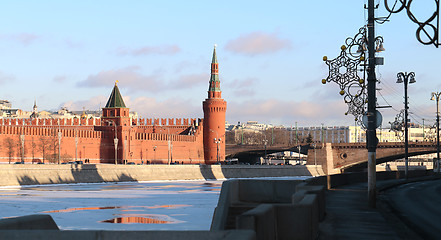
117 138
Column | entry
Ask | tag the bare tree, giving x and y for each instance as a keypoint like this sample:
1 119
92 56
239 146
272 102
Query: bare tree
53 145
66 158
309 139
33 147
10 148
43 145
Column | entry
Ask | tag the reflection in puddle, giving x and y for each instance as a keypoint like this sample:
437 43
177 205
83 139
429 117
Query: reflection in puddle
143 219
80 209
175 206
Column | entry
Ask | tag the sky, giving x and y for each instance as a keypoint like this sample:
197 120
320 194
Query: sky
70 53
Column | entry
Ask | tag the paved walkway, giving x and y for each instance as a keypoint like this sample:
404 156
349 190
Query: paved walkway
350 217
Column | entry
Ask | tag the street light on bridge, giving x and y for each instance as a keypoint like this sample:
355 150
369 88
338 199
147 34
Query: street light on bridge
265 142
435 96
406 78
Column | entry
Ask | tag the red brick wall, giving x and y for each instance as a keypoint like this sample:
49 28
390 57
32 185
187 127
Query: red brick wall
136 144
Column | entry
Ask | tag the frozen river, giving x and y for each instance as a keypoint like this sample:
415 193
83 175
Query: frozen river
170 205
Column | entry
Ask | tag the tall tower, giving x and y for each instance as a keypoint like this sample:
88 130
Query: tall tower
116 115
214 118
34 110
115 110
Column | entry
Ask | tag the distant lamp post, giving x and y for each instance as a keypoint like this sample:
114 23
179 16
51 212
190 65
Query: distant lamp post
22 140
406 78
265 141
435 96
59 138
217 141
115 141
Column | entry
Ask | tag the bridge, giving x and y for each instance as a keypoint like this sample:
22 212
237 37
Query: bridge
335 157
341 157
250 153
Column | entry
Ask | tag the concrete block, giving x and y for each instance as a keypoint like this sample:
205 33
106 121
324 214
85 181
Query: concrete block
256 191
310 203
261 219
298 196
267 191
320 192
30 222
292 222
300 220
229 195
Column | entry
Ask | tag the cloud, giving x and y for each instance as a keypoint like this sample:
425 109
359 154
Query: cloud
72 44
243 87
23 38
132 79
59 79
257 43
146 107
4 78
190 80
94 103
149 50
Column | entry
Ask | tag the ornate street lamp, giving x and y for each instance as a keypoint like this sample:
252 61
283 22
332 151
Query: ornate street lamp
406 78
359 54
435 96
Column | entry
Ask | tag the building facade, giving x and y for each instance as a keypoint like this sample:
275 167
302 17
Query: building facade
117 137
353 134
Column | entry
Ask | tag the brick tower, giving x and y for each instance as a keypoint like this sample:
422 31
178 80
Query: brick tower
115 109
116 115
214 118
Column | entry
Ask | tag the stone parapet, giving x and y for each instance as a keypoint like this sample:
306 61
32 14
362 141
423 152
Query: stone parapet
29 174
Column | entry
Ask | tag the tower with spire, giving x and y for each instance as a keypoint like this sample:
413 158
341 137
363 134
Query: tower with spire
214 117
34 110
115 110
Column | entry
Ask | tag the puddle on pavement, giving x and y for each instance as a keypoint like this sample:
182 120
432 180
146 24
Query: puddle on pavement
144 219
126 208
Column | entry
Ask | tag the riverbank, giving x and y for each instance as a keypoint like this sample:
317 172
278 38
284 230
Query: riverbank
30 174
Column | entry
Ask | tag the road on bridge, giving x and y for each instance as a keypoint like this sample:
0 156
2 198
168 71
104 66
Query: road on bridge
418 206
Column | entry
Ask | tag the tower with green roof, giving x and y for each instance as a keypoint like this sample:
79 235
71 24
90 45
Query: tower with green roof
115 111
214 117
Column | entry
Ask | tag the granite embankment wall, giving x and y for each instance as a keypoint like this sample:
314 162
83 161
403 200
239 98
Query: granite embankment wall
29 174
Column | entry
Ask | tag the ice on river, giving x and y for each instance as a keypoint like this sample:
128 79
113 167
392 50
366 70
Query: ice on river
169 205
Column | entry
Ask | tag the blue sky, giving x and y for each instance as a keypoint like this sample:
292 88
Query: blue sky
69 53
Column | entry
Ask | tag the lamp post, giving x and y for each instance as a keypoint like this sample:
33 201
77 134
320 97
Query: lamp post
435 96
115 141
154 153
22 139
217 141
265 141
59 139
406 78
323 134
